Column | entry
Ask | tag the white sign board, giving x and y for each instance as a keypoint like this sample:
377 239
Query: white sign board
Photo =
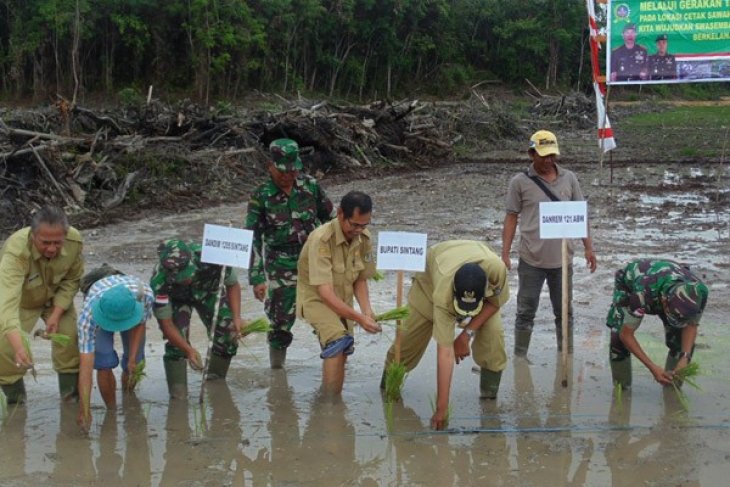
402 251
563 219
227 246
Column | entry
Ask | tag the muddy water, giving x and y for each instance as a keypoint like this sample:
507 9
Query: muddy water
267 427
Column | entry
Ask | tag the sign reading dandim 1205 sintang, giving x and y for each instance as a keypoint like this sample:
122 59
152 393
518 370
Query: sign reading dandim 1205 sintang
226 246
679 41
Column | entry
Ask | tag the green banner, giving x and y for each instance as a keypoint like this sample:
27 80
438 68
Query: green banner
678 41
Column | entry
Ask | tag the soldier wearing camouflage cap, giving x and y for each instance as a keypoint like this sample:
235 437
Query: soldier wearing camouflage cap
654 287
282 212
182 283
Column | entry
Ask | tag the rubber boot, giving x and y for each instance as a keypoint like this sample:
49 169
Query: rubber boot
522 342
15 392
218 367
489 383
176 374
382 379
277 357
68 386
621 372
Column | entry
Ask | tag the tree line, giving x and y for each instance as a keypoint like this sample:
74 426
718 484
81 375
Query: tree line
213 49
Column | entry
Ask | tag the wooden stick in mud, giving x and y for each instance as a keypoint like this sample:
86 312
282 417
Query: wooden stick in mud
211 339
565 307
398 303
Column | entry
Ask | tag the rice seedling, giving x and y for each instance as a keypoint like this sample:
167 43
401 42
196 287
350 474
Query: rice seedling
60 338
687 374
395 376
448 410
399 313
259 325
378 276
138 374
389 416
26 345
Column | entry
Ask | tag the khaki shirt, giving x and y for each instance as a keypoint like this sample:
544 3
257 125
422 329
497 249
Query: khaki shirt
327 258
436 299
524 198
30 281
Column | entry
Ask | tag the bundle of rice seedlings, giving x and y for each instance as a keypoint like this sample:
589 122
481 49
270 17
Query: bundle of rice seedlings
259 325
687 375
60 338
448 410
378 276
138 374
395 376
399 313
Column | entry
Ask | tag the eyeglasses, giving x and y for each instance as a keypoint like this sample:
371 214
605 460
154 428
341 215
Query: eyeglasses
356 226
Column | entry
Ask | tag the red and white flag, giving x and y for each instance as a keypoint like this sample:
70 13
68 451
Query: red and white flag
605 133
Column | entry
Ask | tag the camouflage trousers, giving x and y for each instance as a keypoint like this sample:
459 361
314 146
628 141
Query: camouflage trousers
225 343
280 308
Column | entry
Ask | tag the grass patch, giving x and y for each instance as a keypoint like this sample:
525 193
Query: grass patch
680 117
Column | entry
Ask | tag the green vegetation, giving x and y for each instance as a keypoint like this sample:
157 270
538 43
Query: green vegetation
399 313
685 375
259 325
681 117
214 49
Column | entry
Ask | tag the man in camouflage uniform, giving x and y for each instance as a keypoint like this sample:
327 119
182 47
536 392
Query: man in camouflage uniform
655 287
182 283
282 212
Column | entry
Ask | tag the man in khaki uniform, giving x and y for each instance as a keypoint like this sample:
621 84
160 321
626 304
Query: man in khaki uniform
464 285
334 266
40 269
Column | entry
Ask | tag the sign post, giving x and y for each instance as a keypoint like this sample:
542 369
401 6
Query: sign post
401 251
227 247
564 220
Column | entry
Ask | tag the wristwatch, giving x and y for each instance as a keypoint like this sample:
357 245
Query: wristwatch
682 355
469 333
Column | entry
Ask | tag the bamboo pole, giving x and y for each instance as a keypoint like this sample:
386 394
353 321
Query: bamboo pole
565 307
213 328
398 303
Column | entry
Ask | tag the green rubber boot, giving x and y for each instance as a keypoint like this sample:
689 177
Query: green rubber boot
15 392
489 383
277 357
522 342
176 374
218 367
68 386
621 372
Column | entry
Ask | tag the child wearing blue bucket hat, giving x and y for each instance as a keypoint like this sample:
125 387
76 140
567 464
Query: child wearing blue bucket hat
114 304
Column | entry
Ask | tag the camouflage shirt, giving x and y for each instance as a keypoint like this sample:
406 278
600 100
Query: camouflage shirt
204 284
282 222
642 284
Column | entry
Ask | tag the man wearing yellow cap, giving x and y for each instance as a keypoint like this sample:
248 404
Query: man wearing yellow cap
540 260
463 286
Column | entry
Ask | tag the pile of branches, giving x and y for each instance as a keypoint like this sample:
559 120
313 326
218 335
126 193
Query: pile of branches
574 108
101 164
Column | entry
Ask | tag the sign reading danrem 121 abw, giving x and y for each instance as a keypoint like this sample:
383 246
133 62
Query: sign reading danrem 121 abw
679 41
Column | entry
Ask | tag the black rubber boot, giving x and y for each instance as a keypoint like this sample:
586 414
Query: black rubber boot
14 393
68 386
621 372
489 383
176 374
522 342
218 367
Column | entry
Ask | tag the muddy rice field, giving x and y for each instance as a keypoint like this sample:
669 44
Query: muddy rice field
271 428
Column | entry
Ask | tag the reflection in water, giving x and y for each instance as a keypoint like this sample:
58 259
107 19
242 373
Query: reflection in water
208 450
74 462
137 468
12 444
640 455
